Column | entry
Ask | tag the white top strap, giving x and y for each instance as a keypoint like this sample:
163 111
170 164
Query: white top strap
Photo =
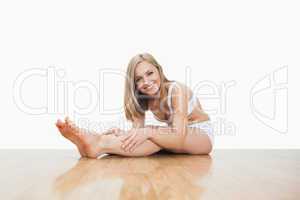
192 103
170 95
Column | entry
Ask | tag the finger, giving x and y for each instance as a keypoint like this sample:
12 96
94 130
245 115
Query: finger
129 141
130 144
129 133
126 137
133 146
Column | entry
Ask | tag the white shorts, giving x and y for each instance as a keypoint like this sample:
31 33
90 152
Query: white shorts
206 127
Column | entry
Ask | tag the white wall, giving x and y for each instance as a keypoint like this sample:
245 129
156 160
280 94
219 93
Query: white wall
229 50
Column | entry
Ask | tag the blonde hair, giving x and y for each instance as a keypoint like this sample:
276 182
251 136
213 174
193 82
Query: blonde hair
135 104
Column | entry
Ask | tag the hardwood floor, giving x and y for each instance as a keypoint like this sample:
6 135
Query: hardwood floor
225 174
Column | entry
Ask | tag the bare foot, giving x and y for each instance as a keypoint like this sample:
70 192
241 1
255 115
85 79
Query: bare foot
88 144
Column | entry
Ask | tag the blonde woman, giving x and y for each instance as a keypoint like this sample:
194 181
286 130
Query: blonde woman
189 128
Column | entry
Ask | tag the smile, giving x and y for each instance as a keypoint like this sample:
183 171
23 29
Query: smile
149 88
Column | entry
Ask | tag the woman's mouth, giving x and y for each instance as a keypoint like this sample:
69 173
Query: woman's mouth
149 88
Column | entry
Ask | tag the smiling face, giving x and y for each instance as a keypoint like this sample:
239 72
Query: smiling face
147 79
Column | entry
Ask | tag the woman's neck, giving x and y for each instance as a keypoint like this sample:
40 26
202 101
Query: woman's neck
153 103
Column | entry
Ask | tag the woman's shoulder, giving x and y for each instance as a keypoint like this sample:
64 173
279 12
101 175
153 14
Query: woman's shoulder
180 87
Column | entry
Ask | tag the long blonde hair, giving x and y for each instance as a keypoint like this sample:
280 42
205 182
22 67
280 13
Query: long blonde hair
135 104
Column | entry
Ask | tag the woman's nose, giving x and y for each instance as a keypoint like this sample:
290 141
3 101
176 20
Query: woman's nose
146 81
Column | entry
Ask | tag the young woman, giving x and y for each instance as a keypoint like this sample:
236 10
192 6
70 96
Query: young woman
189 128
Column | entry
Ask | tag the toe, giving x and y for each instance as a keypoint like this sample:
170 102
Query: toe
69 122
59 124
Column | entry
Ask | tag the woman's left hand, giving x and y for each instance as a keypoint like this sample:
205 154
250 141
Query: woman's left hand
134 138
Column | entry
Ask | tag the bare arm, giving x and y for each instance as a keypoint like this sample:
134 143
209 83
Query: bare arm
167 137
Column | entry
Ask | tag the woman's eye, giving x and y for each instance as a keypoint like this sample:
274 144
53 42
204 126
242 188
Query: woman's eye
149 73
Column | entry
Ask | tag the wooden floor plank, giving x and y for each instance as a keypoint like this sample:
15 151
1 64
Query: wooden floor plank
225 174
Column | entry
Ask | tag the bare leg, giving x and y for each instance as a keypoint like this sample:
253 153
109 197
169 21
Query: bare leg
114 143
196 141
93 145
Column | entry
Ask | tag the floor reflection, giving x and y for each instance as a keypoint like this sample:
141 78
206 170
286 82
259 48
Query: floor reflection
160 176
